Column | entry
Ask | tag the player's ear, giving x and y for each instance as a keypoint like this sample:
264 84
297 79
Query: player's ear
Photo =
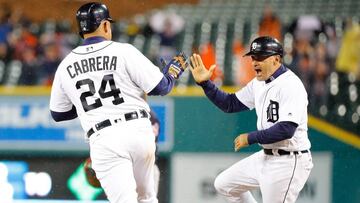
277 59
105 26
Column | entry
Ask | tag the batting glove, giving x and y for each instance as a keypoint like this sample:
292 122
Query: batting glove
176 66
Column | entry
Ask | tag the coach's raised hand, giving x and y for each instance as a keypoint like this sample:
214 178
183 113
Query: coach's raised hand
198 70
176 66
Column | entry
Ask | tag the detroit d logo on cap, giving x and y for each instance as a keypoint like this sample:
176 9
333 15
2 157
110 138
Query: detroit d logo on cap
254 45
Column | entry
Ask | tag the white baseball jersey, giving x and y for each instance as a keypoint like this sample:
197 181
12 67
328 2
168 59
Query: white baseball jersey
103 80
283 99
106 80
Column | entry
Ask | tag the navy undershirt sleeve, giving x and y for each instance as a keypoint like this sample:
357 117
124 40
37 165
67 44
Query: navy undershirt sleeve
164 87
63 116
228 103
278 132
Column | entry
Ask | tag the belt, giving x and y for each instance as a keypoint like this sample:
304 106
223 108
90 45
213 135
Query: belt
127 117
283 152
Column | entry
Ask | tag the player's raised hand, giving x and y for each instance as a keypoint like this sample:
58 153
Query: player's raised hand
198 70
241 141
176 66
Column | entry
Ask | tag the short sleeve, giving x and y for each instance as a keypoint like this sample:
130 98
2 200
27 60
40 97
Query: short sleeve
141 70
246 95
293 102
59 101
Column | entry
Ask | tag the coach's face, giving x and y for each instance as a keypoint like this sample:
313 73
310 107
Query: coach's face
265 66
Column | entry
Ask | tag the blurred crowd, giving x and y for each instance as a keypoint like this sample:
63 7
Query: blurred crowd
30 52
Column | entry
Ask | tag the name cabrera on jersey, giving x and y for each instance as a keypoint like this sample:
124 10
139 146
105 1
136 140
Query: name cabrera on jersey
283 99
86 65
103 81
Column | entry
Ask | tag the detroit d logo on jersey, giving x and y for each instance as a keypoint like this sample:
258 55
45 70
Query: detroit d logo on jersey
272 111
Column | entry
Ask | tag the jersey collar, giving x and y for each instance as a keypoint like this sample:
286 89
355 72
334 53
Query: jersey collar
276 74
93 40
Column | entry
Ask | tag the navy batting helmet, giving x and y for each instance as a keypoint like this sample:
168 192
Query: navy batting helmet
265 46
89 16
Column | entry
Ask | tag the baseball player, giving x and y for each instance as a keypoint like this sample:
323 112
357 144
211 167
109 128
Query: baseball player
102 82
283 165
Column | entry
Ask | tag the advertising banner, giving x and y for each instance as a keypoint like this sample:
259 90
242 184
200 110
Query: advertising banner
26 124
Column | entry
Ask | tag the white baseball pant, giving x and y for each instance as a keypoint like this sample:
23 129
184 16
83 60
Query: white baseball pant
123 157
280 178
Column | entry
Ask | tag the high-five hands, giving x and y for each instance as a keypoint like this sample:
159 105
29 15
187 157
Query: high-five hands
198 70
241 141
